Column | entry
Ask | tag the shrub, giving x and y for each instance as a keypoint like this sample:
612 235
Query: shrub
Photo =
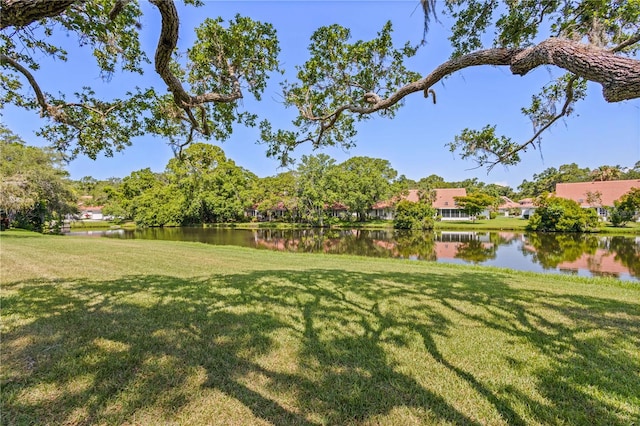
411 215
562 215
493 215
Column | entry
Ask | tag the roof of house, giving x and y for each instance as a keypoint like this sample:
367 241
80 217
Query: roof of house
412 195
87 208
526 202
444 198
609 191
507 203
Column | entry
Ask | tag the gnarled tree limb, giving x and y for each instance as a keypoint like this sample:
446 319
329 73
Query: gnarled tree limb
20 13
618 75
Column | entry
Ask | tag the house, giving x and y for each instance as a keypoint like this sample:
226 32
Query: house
337 210
508 207
444 203
91 212
599 195
527 207
386 209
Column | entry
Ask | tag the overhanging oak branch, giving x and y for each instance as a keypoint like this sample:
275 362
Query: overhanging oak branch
20 13
166 46
619 75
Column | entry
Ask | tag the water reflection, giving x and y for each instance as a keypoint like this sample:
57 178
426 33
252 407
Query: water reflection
604 256
616 256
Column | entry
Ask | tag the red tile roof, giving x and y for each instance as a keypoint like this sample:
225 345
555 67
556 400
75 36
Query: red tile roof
610 191
444 198
507 203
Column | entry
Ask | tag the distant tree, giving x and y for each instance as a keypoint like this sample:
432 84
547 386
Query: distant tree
431 182
362 181
159 206
404 183
412 215
546 181
496 190
625 209
131 200
555 214
214 189
471 185
274 192
632 172
605 173
475 203
315 186
35 189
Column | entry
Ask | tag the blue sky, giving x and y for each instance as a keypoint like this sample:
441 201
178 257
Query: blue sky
414 141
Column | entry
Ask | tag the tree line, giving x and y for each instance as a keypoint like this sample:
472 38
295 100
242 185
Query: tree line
204 186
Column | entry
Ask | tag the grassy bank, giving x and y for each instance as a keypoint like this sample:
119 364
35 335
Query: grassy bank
81 225
498 224
107 331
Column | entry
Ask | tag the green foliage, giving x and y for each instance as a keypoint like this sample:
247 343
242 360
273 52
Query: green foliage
363 181
562 215
476 251
416 216
475 203
315 186
88 125
276 192
35 187
339 73
552 250
224 61
626 208
546 181
483 145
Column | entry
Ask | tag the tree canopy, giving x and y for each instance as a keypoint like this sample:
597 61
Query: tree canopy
35 187
345 81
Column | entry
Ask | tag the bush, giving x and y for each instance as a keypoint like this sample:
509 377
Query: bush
493 215
562 215
411 215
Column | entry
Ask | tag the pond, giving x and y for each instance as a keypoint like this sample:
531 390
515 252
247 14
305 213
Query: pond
579 254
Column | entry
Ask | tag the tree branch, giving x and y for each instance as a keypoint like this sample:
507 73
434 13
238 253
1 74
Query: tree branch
531 141
20 13
618 75
166 46
629 42
44 106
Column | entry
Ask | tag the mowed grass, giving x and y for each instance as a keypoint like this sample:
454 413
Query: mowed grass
105 331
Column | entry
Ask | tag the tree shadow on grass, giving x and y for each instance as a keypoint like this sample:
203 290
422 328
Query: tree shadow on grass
312 347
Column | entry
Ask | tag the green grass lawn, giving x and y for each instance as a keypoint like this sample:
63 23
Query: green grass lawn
108 331
497 224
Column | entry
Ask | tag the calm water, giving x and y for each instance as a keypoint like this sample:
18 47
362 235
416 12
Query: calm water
585 255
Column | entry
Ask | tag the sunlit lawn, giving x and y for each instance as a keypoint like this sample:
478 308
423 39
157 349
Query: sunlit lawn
102 331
